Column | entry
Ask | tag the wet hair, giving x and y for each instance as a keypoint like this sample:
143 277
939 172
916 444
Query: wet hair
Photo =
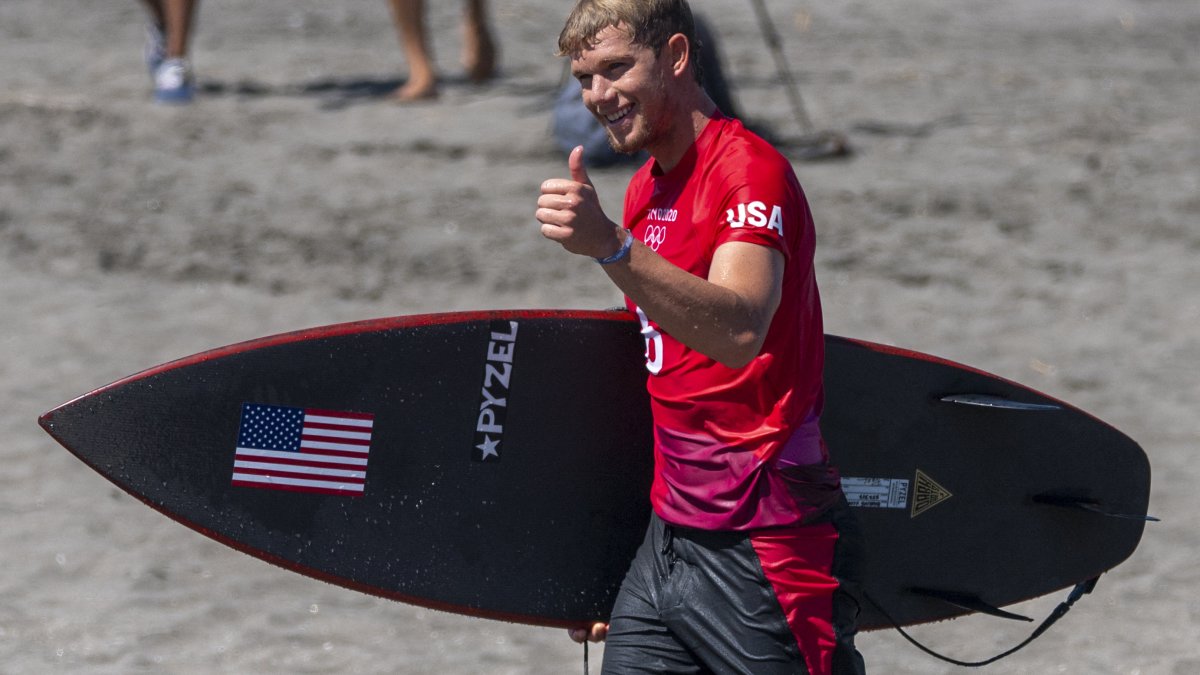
649 23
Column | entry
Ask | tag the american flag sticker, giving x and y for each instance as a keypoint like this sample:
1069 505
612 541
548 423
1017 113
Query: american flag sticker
302 449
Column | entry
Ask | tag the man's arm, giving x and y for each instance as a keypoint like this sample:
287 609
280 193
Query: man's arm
725 316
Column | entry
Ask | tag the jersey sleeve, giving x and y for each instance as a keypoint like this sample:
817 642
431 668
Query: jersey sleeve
760 207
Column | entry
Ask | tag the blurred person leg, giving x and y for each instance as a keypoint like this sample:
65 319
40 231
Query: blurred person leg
410 24
479 49
167 49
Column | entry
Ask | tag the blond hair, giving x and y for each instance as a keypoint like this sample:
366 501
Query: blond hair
649 23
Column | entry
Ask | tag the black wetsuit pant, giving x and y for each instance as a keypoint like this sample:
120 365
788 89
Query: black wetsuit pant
761 602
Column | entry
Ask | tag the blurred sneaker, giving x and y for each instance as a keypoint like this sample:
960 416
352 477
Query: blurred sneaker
173 82
154 51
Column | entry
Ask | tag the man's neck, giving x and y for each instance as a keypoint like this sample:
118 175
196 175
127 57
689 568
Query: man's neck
691 124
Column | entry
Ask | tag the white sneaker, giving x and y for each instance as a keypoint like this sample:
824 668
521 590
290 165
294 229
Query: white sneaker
173 82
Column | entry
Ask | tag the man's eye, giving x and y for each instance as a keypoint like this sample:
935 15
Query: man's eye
616 69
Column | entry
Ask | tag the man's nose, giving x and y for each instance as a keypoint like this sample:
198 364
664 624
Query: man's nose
601 90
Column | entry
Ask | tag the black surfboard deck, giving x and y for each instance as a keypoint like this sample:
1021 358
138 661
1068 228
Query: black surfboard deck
497 464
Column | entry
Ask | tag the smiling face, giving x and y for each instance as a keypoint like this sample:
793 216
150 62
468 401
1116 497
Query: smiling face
628 88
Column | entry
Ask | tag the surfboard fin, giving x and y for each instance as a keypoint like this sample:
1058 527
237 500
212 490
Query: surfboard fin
1081 589
989 401
1090 505
968 601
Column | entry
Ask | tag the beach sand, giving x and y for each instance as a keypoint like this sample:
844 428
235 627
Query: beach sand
1024 197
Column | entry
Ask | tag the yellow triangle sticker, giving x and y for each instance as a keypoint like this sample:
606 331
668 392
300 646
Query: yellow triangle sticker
927 494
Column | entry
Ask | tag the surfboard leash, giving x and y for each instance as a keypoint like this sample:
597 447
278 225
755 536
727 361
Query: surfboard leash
1081 589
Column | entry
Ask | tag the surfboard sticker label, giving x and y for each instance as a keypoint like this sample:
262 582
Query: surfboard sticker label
303 449
927 493
493 397
876 493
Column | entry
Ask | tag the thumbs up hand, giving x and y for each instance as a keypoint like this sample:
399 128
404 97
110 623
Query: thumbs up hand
576 166
570 213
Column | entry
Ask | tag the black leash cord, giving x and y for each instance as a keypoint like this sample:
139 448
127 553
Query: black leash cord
1078 592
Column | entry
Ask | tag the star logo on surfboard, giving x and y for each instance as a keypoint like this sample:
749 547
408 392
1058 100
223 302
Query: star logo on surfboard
488 448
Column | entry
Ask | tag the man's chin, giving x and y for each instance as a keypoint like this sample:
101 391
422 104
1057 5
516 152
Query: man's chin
625 147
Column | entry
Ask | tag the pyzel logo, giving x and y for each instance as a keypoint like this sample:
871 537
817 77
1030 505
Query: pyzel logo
493 402
754 214
654 236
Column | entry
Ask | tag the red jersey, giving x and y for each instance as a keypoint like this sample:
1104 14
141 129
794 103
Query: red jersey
723 436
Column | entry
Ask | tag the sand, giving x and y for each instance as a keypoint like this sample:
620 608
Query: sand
1024 197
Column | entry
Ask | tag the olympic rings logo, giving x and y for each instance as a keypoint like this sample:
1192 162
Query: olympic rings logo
654 236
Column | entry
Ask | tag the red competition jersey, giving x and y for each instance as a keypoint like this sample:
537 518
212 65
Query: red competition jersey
723 435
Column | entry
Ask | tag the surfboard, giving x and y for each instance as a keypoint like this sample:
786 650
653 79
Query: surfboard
497 464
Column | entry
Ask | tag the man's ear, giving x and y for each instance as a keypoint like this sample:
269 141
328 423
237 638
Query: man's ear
680 52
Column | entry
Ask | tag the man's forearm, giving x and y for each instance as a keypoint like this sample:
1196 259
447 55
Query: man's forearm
724 317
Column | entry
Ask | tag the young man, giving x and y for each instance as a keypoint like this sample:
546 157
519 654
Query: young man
750 561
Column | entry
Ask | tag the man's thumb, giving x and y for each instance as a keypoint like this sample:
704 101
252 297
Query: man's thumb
575 164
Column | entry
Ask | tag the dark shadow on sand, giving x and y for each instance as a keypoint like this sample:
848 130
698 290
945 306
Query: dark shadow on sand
337 93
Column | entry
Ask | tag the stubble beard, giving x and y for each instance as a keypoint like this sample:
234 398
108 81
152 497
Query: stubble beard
632 144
